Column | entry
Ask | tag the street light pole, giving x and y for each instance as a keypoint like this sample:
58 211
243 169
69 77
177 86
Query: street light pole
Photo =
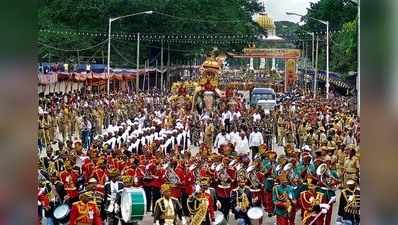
327 59
327 46
137 77
316 66
109 53
313 49
109 41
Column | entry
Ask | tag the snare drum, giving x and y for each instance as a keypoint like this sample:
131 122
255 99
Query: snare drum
61 213
133 204
220 219
255 214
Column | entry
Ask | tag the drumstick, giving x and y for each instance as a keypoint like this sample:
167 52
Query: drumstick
319 214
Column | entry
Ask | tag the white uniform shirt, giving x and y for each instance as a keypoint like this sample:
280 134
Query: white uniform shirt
236 115
256 139
220 140
234 137
242 146
256 117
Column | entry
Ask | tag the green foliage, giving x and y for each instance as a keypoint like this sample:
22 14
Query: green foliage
342 16
93 15
345 48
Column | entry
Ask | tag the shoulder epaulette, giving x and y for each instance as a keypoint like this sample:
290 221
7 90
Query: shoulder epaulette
76 203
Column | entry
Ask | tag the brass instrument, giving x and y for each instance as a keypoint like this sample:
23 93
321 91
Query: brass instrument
253 179
171 176
222 175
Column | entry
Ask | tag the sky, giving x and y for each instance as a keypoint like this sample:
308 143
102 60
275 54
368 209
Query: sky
277 8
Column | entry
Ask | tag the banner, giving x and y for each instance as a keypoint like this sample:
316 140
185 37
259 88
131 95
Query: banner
291 75
271 53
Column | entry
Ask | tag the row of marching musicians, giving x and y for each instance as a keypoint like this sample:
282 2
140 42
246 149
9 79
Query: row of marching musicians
279 187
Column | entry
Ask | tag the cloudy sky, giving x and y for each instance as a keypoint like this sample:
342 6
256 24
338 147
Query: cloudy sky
277 8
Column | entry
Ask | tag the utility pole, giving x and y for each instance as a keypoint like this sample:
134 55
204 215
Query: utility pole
156 73
161 67
327 59
313 49
149 75
316 66
168 65
143 81
137 78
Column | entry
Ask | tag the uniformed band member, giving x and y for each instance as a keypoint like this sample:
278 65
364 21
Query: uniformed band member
167 209
313 204
350 203
284 201
241 201
137 151
97 196
201 206
85 212
112 188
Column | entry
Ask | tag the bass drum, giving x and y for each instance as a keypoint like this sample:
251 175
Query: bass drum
220 219
255 214
133 204
61 214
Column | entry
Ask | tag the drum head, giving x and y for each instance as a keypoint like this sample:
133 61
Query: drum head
61 212
133 204
219 218
126 206
255 213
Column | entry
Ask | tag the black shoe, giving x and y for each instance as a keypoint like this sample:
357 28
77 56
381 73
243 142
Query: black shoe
270 215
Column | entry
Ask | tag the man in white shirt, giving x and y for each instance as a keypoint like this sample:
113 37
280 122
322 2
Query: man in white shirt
221 138
234 135
256 116
255 140
242 145
236 115
226 120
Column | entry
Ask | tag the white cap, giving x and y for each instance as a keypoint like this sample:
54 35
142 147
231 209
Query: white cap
350 181
306 147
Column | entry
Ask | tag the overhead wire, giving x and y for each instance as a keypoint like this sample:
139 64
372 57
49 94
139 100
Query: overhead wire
73 50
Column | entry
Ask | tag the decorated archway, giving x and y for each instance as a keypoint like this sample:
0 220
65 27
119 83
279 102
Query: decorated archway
290 56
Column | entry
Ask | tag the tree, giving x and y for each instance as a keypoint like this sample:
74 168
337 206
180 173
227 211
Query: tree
345 48
338 13
202 17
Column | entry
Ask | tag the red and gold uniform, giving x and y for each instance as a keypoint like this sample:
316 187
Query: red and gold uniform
85 214
309 202
100 174
87 168
69 180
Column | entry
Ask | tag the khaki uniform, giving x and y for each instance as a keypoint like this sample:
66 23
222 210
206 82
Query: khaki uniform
302 134
52 123
351 168
209 134
41 131
281 130
72 123
46 126
101 115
